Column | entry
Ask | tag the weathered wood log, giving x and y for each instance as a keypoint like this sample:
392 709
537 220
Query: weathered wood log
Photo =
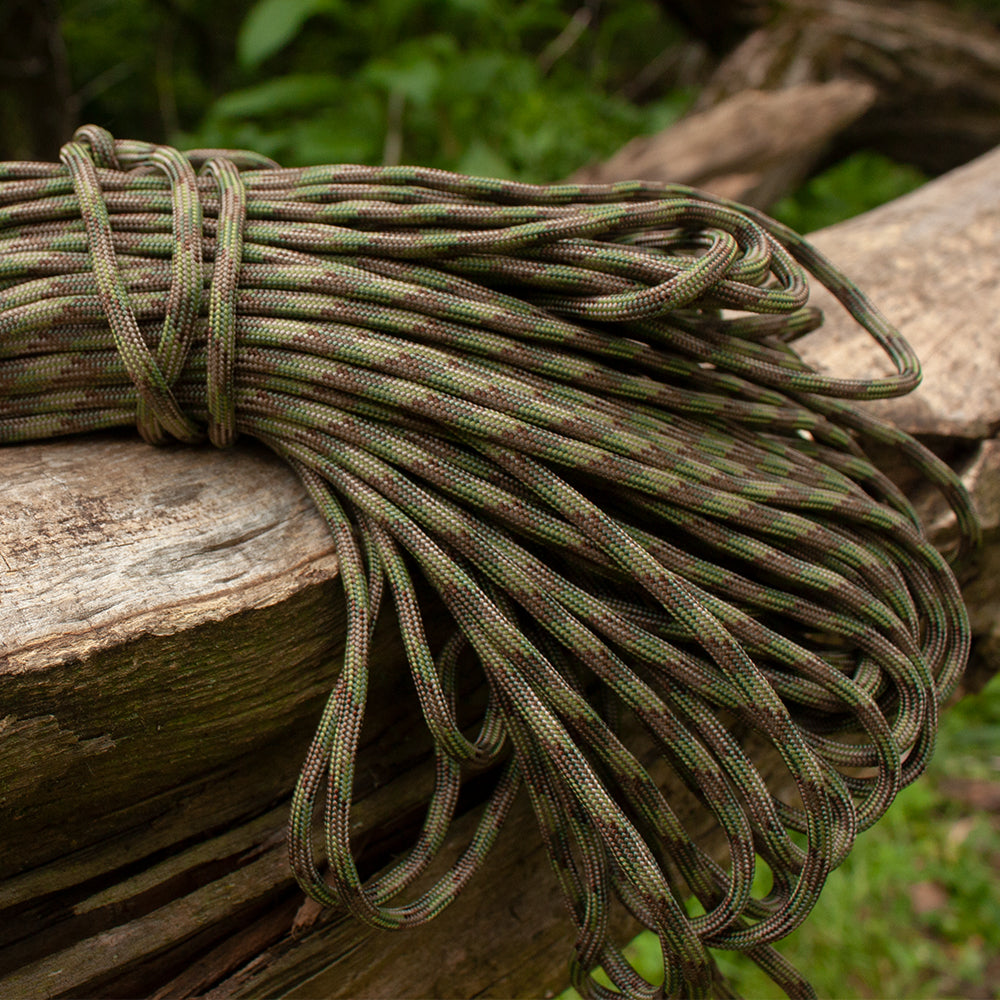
930 261
753 147
935 68
170 623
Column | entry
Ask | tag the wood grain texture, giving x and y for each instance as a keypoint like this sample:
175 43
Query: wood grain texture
101 536
930 262
171 621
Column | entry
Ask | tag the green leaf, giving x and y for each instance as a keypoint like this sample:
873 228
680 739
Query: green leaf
417 80
272 24
283 94
415 69
481 160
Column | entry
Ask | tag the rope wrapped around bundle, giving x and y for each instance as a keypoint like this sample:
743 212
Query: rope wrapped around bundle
571 419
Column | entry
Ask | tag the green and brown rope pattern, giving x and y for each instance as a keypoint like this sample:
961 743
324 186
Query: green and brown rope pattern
573 414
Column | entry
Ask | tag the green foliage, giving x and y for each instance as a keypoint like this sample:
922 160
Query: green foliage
472 85
848 188
450 83
913 911
475 85
272 24
969 743
147 68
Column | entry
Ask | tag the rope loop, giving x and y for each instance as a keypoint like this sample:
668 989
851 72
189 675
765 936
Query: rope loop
102 145
158 410
183 306
158 414
222 299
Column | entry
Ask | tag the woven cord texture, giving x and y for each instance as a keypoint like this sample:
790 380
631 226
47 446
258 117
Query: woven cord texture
573 415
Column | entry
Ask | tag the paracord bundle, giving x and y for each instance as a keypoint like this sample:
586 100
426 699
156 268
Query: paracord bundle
572 413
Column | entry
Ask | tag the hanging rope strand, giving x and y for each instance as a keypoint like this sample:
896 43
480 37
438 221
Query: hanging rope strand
573 414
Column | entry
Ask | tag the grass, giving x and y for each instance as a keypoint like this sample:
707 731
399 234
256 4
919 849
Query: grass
914 911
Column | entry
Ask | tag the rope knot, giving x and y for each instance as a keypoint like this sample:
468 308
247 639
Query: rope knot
154 373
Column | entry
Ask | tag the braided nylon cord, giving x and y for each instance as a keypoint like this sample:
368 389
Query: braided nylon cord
574 414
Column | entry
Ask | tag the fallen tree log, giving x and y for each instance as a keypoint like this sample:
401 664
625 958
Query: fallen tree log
170 626
929 260
754 147
790 87
935 69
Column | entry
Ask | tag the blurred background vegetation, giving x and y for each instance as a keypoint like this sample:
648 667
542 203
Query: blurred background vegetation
471 85
526 90
535 91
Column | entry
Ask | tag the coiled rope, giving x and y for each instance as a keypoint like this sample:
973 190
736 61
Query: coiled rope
575 413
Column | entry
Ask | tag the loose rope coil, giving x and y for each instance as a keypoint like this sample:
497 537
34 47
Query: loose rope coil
574 414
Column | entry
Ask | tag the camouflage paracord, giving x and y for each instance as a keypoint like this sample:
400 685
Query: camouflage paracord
572 413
